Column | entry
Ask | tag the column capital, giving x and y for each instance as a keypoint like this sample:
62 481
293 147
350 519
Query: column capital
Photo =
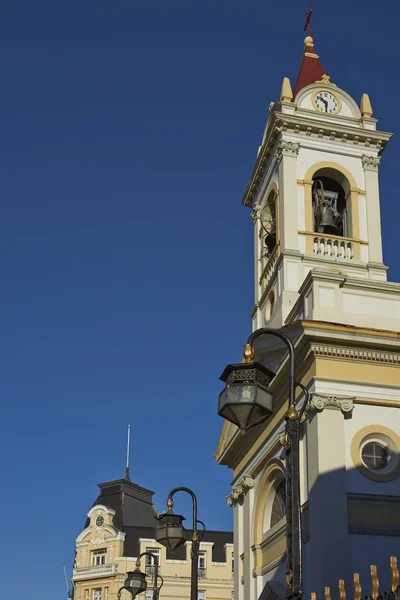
239 490
255 213
370 163
287 149
320 402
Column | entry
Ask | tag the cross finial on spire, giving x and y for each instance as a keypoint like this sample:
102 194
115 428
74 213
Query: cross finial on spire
308 25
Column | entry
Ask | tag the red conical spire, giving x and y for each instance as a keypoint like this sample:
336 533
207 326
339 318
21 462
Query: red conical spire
311 69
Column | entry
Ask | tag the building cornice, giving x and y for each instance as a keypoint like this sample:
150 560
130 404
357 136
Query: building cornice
310 127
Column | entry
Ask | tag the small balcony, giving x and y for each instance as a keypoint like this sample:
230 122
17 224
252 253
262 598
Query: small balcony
93 572
333 247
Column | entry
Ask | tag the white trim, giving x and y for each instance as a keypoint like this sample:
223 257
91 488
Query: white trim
177 562
207 544
82 535
115 535
356 388
108 511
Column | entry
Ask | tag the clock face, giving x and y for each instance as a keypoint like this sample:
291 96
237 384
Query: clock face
99 521
326 102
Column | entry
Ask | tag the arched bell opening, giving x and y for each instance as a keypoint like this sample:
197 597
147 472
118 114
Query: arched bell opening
329 206
268 218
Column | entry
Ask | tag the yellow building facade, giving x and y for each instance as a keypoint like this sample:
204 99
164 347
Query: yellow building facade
119 527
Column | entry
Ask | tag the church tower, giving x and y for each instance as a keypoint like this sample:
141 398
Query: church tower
319 274
315 197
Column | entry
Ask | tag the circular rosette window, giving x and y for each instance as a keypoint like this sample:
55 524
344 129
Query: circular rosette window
375 451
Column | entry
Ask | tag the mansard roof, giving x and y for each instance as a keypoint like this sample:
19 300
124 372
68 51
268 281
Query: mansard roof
135 515
133 505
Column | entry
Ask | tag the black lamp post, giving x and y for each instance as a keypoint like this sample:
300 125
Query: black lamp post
136 581
247 401
171 533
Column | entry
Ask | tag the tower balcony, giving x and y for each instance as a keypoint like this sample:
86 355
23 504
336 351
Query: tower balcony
94 572
333 246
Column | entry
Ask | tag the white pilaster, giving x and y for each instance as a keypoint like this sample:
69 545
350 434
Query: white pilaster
287 156
327 497
370 165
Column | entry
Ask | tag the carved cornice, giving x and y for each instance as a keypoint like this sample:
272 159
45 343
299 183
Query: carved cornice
370 163
287 149
239 490
353 354
334 131
320 402
374 529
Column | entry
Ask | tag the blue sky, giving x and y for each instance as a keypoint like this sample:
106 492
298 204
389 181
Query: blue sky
129 131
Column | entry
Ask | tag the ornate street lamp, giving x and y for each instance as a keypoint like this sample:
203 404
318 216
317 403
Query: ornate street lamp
171 533
247 401
246 397
136 582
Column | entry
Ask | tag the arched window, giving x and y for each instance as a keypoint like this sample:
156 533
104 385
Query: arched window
278 508
268 223
329 206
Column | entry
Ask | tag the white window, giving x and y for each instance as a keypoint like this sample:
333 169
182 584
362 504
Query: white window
149 559
150 563
201 595
149 594
106 593
99 557
202 560
97 594
86 594
202 564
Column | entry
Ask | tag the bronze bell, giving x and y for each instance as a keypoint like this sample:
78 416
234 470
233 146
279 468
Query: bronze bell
327 224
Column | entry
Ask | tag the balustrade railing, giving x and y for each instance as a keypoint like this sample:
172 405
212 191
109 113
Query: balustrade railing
94 571
333 247
269 268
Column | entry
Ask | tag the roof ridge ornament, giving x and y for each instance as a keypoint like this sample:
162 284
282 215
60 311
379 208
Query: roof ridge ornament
326 79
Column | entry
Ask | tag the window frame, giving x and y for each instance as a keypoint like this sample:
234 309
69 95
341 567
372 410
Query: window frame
102 554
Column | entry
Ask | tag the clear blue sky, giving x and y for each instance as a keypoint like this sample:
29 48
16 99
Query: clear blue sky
129 130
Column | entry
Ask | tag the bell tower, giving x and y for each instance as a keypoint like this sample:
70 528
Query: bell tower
319 275
314 194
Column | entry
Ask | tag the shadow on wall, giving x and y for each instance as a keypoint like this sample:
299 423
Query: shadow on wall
350 521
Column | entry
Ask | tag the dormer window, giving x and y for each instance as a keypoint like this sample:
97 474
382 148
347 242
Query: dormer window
329 207
99 557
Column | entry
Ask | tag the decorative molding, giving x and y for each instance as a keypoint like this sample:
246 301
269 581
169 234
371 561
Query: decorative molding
279 122
374 529
239 490
380 500
255 213
271 565
370 163
340 352
320 402
287 149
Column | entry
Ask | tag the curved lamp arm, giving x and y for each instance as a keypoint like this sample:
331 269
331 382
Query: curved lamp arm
248 354
170 504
